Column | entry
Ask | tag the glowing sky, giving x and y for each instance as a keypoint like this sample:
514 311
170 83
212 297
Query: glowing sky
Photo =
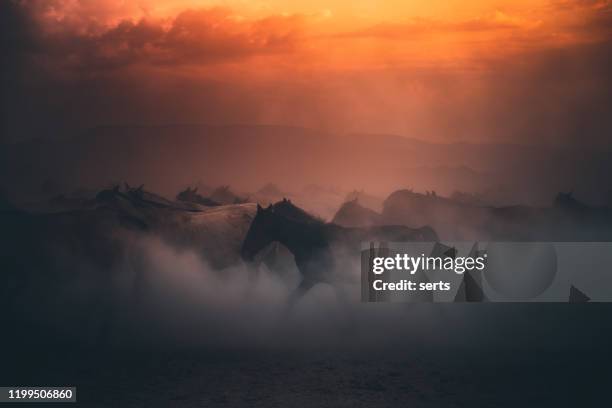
448 70
344 33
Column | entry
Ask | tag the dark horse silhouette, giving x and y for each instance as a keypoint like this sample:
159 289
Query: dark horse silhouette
191 195
311 240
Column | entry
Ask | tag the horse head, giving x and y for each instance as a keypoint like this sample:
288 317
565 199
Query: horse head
261 233
272 223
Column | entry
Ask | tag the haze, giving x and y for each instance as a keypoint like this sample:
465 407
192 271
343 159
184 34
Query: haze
520 72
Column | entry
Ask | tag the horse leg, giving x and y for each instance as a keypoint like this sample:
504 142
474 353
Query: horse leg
304 286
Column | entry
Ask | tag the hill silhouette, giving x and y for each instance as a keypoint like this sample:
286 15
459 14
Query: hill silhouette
167 158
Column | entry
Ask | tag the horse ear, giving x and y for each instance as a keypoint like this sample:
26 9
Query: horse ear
269 207
259 209
284 199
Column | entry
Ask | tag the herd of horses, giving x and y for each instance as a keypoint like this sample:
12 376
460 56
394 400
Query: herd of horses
79 260
240 232
37 245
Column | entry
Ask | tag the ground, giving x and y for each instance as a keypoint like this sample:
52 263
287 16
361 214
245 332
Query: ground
318 378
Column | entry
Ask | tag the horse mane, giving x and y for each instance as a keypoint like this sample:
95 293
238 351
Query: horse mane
287 209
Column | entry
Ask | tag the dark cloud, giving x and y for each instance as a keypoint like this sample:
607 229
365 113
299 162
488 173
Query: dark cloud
75 74
192 37
18 41
18 30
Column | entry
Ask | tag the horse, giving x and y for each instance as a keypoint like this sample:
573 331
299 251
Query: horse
353 214
191 195
314 242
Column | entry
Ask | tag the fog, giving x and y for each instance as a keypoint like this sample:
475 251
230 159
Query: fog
161 296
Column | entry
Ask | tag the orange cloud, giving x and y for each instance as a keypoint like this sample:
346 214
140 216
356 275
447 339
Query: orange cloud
442 75
103 34
191 37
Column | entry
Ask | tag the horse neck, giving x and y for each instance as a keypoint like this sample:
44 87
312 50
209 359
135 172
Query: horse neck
293 213
302 239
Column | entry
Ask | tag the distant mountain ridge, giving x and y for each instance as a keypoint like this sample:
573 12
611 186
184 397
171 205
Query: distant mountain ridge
169 157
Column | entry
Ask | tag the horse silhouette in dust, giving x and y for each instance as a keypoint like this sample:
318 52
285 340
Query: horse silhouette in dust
314 242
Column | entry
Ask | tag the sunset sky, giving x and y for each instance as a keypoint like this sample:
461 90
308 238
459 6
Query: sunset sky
520 71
